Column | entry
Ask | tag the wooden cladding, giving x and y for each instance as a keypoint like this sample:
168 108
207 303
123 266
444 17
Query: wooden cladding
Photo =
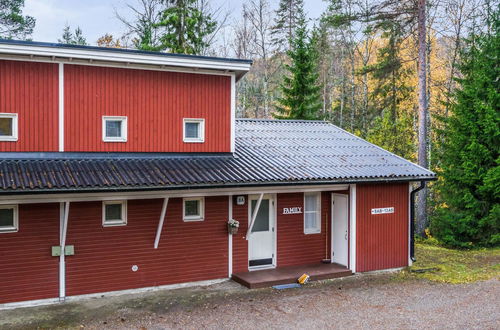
30 90
155 104
381 239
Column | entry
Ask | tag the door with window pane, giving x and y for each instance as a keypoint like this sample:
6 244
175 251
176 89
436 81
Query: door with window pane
261 241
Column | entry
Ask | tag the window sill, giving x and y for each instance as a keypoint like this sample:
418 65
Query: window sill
193 219
312 232
114 224
8 139
4 230
114 140
193 141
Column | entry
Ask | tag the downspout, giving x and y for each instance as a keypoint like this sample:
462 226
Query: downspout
412 219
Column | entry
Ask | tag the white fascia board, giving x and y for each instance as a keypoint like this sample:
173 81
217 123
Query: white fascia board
134 58
109 196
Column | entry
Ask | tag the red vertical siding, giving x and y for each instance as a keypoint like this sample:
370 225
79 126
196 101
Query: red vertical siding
31 90
28 271
240 244
188 251
381 240
295 247
155 103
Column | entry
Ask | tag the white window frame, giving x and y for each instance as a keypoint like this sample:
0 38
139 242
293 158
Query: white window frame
316 230
112 223
124 129
14 135
15 227
199 217
201 130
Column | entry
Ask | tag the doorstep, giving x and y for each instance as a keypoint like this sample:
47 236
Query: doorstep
290 274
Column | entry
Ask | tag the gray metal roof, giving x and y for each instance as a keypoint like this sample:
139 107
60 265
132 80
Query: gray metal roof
268 152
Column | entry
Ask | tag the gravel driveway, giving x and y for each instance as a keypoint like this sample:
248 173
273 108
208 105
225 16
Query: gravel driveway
359 302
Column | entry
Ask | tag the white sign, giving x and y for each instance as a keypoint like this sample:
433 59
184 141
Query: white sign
292 210
383 210
240 200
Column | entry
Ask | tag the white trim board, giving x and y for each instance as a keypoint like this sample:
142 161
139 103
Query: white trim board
352 228
51 301
61 107
84 197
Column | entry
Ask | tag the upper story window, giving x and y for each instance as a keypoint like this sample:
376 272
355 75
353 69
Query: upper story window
193 209
8 218
194 130
8 126
312 218
114 213
114 129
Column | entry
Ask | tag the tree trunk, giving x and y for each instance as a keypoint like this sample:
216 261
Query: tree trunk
422 116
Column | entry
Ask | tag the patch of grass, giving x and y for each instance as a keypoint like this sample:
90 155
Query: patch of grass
440 264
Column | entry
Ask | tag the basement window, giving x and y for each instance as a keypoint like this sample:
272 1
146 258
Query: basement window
114 213
9 222
312 218
194 130
114 129
193 209
8 126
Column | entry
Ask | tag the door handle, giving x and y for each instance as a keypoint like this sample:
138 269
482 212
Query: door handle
345 237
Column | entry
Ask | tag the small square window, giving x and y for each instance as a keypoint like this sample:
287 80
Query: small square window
8 218
193 209
194 130
8 126
114 213
312 219
114 129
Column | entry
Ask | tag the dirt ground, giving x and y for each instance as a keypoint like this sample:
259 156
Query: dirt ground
359 302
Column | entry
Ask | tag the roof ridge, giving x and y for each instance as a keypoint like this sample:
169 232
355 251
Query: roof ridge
283 120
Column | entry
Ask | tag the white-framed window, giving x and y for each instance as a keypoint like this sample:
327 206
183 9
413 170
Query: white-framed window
193 209
114 213
9 218
194 130
114 129
312 213
8 126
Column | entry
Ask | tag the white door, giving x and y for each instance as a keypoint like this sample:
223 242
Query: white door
340 242
261 241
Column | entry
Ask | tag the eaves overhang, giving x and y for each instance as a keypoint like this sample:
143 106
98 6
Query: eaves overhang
128 58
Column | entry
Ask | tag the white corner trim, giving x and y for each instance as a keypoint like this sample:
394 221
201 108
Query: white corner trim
230 238
63 229
352 227
15 127
233 113
61 107
124 128
410 262
51 301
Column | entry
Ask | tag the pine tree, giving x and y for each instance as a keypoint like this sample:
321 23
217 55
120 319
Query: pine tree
13 24
469 188
393 128
301 98
186 27
70 38
288 16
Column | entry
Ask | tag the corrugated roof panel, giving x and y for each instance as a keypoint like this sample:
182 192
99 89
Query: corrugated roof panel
267 151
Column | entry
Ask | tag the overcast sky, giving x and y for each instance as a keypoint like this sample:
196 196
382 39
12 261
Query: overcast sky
96 17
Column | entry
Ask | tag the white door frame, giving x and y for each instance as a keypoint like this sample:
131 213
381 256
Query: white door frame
272 204
348 227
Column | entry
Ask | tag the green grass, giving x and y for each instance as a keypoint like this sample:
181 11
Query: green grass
445 265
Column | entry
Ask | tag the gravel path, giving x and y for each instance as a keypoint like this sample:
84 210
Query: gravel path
359 302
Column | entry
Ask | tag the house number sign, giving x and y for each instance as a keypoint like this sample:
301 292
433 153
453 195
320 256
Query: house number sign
292 210
383 210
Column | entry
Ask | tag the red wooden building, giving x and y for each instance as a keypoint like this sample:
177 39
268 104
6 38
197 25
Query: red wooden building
120 170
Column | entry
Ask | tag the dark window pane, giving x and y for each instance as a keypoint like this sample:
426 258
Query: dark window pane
5 126
6 218
113 212
113 128
192 130
262 220
192 208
